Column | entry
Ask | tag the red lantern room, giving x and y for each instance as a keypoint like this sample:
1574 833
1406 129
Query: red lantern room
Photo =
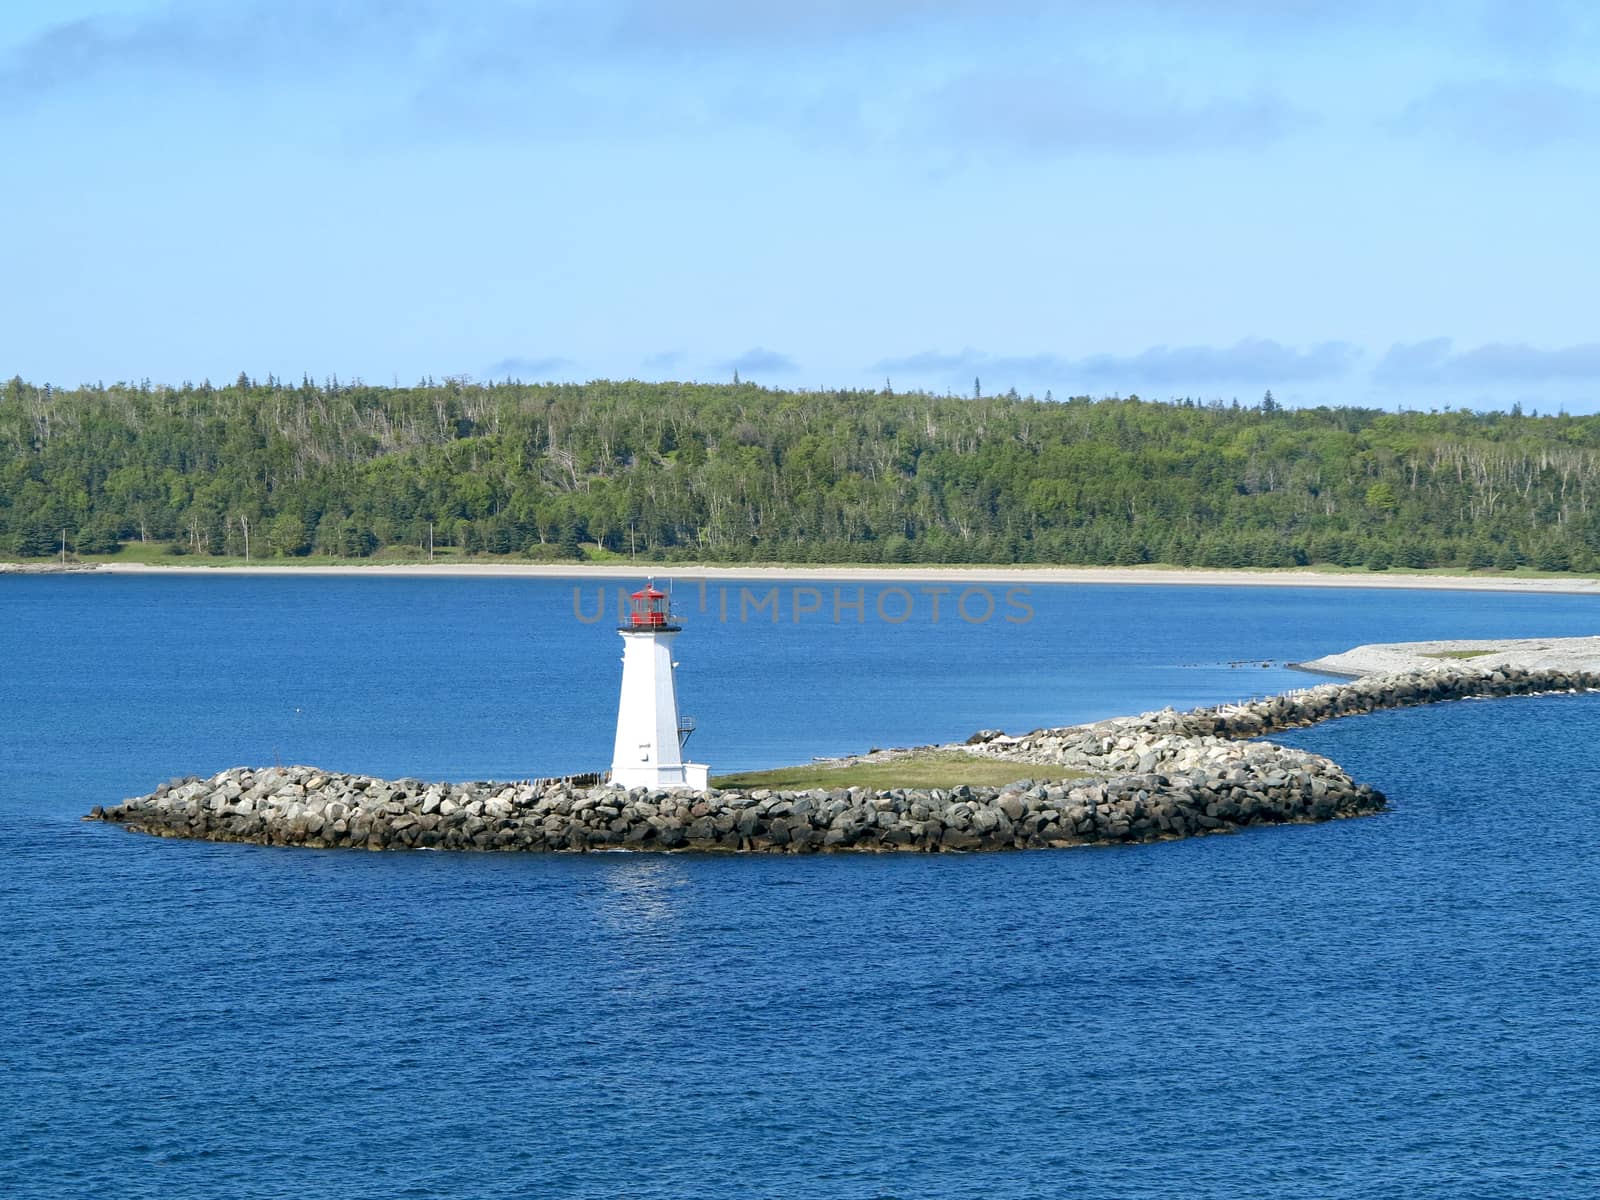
649 611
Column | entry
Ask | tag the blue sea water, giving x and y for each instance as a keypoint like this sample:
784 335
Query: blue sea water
1400 1005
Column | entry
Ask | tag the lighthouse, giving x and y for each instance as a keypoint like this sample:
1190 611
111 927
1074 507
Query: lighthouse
650 733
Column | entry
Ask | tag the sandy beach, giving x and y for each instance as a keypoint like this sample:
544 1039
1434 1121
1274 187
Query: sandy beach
1111 576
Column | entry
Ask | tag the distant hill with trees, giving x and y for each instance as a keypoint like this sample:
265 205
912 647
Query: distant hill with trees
741 473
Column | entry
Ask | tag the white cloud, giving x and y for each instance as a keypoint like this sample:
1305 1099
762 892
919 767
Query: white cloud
527 368
1436 362
1076 108
1252 361
1505 115
760 359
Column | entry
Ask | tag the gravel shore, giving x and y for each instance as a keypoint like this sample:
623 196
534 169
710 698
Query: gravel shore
915 573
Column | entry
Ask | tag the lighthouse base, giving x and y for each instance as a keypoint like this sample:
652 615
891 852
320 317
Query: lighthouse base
680 775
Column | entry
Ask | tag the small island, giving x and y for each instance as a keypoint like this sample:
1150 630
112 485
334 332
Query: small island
1152 777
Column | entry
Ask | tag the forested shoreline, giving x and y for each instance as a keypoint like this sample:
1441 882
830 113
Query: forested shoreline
740 473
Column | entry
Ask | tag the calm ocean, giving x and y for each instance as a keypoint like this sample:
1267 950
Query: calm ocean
1406 1005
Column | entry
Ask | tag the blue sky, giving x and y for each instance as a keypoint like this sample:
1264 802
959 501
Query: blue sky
1353 202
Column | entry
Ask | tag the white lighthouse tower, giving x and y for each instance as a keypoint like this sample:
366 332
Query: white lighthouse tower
650 734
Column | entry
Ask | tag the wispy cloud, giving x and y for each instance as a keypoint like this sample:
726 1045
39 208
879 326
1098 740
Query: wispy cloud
1505 115
1519 31
664 360
500 70
742 24
1252 361
527 368
939 362
1082 109
227 44
1437 362
760 359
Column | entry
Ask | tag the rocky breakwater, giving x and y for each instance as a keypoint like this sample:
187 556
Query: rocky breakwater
1207 740
303 806
1151 777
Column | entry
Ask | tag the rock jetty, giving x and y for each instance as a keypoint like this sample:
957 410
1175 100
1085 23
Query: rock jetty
1151 740
302 806
1153 777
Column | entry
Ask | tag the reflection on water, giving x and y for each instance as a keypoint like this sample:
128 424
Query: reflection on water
637 892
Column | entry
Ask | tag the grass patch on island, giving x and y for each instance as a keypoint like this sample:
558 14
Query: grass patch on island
931 770
1460 653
